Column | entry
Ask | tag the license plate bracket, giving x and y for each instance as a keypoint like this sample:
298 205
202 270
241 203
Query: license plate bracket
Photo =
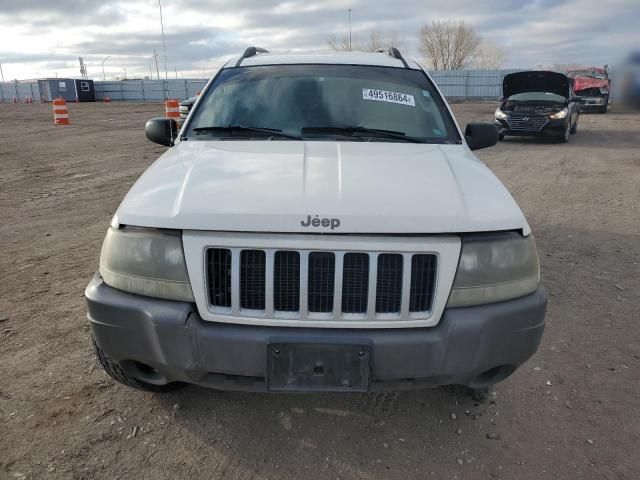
318 367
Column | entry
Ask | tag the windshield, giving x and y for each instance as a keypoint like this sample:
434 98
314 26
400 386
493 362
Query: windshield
536 97
587 73
323 102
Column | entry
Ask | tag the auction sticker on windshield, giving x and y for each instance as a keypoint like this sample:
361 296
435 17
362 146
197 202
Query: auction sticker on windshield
386 96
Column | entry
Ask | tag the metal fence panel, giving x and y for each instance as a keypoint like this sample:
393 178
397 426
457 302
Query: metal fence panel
148 90
454 84
470 84
19 90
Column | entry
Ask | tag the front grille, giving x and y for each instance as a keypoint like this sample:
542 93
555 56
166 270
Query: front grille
304 284
527 123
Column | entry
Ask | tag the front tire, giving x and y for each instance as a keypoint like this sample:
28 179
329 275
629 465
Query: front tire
116 372
603 109
574 129
565 138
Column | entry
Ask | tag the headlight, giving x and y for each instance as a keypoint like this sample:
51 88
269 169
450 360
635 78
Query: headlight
495 269
604 90
559 115
147 262
500 115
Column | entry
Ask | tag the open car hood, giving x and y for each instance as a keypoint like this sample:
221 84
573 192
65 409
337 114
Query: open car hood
536 81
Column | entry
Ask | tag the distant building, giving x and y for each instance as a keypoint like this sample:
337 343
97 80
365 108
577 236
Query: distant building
71 90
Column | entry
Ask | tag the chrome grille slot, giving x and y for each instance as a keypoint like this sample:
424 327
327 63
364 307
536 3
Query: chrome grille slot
321 282
423 277
219 277
252 279
355 283
389 285
286 281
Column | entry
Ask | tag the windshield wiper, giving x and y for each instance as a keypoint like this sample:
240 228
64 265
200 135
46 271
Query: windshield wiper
244 128
346 130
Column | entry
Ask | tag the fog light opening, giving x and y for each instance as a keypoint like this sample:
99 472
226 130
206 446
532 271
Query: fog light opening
144 372
492 376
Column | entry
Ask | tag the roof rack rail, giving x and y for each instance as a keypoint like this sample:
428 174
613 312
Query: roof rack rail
250 52
395 53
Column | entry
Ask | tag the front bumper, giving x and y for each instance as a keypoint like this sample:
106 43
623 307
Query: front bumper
553 128
474 346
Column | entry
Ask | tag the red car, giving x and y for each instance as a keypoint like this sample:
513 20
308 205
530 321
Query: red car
592 85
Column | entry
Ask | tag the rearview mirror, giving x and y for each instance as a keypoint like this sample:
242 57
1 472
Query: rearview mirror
161 130
480 135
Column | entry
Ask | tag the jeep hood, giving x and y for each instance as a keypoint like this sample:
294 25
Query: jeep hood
536 81
273 186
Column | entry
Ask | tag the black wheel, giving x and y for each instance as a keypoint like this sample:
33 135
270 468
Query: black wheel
565 138
574 129
480 395
116 372
500 137
603 109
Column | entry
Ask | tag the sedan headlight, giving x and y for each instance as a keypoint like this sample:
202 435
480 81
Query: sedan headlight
500 115
146 262
495 268
559 115
604 90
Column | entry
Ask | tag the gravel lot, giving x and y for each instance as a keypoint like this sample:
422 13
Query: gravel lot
573 411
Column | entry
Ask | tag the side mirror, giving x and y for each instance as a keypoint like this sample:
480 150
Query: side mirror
481 135
161 130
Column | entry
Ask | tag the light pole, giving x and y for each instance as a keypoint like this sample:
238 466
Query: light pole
164 48
104 60
349 29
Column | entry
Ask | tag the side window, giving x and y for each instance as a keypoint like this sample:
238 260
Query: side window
62 86
84 86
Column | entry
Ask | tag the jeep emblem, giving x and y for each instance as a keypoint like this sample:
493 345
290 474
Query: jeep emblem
316 221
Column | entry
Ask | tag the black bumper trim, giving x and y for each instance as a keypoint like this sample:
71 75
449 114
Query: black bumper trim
171 337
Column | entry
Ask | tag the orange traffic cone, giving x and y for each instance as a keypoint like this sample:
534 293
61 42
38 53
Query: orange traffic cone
60 113
172 109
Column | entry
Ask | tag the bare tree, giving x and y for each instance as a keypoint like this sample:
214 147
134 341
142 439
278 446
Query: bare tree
338 44
488 56
449 45
375 40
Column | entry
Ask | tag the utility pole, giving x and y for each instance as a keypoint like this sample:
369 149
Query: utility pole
1 73
164 48
349 29
104 60
155 57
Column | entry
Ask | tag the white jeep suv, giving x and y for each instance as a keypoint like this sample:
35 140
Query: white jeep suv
319 223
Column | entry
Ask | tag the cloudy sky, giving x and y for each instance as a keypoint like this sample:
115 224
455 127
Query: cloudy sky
40 38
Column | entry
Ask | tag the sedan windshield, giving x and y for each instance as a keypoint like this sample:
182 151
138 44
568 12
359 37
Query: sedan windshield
323 102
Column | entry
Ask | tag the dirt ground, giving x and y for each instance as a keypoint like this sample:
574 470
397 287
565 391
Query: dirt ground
573 411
